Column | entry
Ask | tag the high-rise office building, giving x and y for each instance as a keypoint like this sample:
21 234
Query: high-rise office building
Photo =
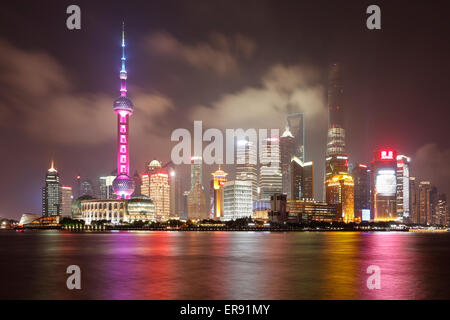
287 151
67 198
361 179
153 167
424 212
302 179
434 198
296 123
270 170
442 210
413 201
383 182
340 192
176 195
219 179
196 200
403 194
51 194
336 164
246 164
160 195
105 187
336 131
123 185
237 200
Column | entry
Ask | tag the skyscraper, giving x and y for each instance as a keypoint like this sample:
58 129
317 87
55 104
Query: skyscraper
160 194
270 171
87 189
413 201
384 185
196 200
424 214
106 187
123 185
296 123
66 205
340 192
246 164
287 151
361 179
442 210
403 193
237 200
302 179
336 131
51 194
219 179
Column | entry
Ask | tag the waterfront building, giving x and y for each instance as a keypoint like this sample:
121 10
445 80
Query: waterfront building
123 185
361 179
442 210
383 182
219 180
308 210
67 198
287 151
261 210
425 211
302 179
340 192
160 195
51 194
106 187
237 200
118 211
413 201
403 193
246 164
153 167
270 170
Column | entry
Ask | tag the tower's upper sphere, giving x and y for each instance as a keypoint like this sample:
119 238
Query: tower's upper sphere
123 186
123 104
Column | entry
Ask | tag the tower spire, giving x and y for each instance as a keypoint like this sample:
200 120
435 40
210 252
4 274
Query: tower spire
123 71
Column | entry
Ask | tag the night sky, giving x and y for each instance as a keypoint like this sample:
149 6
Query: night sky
229 63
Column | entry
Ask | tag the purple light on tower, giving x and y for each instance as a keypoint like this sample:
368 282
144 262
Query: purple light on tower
123 185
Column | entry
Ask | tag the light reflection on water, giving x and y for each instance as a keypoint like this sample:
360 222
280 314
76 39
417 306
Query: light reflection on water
224 265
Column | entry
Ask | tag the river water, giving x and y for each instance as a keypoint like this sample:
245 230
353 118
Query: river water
224 265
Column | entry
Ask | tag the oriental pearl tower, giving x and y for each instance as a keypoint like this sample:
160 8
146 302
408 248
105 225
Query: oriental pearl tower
123 185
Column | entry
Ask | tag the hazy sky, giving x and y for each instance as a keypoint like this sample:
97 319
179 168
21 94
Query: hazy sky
228 63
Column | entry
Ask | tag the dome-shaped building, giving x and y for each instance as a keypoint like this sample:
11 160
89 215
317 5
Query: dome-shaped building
123 186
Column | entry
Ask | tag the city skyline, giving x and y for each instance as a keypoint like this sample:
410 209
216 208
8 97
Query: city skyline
75 150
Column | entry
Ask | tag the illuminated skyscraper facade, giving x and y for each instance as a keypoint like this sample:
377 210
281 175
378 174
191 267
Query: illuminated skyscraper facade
302 179
219 179
287 151
336 131
160 195
384 185
424 214
51 194
66 203
246 164
270 170
403 193
106 189
123 185
237 200
340 192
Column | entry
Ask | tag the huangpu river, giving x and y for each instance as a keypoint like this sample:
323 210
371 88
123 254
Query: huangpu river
224 265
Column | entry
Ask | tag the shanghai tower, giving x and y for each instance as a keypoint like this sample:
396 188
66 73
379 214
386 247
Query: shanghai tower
123 185
336 131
